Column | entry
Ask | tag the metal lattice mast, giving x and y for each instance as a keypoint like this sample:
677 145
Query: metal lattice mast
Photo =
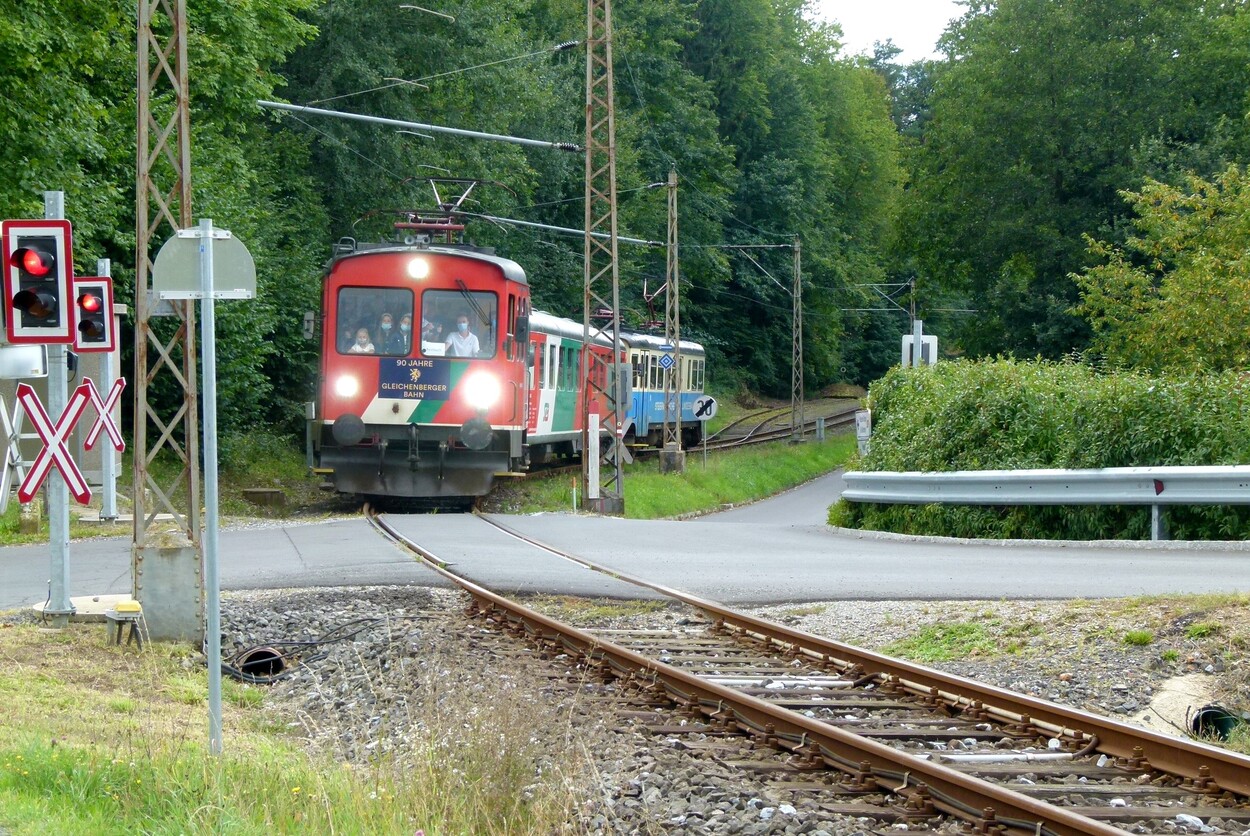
163 202
672 326
796 359
603 487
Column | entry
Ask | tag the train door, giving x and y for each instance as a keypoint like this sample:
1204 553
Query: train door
545 371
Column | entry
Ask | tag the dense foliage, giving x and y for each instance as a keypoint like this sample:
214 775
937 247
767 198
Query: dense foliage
1041 113
771 145
775 136
1176 295
993 181
1006 414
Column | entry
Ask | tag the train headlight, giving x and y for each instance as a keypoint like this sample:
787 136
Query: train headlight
481 390
418 268
346 386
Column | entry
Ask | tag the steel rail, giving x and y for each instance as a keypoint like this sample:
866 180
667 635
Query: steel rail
1186 759
840 416
756 437
837 420
928 787
743 420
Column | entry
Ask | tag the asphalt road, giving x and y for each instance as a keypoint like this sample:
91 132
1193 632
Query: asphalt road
779 550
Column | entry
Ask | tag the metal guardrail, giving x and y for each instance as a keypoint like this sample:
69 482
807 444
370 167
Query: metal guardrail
1157 487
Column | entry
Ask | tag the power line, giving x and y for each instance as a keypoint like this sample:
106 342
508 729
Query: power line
401 123
420 82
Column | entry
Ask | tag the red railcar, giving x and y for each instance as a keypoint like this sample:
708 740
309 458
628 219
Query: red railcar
410 404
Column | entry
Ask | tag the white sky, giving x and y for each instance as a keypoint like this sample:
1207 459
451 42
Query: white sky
913 25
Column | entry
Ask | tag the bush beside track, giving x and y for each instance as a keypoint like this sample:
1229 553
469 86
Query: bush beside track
1007 414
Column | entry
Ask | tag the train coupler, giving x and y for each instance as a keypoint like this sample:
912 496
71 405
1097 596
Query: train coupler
414 454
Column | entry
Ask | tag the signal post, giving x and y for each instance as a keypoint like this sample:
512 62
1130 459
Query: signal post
37 276
42 309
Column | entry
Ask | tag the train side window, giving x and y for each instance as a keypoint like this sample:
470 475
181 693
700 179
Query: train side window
537 368
444 308
510 339
549 380
367 309
654 363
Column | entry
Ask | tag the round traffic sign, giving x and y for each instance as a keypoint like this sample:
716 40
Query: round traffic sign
704 407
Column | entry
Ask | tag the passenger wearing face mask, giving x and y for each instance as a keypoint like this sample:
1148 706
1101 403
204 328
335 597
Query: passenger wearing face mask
401 343
385 332
462 342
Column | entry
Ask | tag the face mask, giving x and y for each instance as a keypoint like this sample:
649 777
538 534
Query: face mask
386 326
462 326
405 327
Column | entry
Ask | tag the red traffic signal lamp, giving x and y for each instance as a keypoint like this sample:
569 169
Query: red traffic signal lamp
38 273
93 314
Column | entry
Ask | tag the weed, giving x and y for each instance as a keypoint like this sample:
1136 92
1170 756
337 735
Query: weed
799 612
944 642
1139 638
1202 630
589 611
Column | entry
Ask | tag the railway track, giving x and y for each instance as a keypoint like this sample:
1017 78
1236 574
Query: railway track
774 424
883 738
760 427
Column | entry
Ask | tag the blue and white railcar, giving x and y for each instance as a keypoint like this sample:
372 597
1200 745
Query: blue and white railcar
645 420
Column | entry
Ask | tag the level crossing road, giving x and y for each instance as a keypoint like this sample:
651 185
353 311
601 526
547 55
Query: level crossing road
779 550
328 553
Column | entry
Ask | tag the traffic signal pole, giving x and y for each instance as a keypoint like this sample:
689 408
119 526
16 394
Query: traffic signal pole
58 607
108 457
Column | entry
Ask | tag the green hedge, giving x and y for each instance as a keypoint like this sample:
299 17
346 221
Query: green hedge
1007 414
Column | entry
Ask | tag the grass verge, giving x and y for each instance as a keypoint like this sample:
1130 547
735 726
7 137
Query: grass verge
102 739
728 478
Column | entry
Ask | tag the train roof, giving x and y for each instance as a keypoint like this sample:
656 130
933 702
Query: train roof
657 342
511 270
547 323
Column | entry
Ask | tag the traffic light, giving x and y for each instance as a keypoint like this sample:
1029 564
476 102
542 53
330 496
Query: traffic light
38 272
93 314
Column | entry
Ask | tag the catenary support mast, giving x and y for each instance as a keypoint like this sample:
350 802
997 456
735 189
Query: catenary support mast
673 457
162 206
603 486
796 354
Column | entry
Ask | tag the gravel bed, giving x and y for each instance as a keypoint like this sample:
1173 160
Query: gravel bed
396 683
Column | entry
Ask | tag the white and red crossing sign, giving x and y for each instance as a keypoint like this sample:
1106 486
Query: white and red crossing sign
104 415
53 437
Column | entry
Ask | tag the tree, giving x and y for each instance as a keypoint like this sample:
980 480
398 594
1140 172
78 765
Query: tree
1176 295
1042 113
